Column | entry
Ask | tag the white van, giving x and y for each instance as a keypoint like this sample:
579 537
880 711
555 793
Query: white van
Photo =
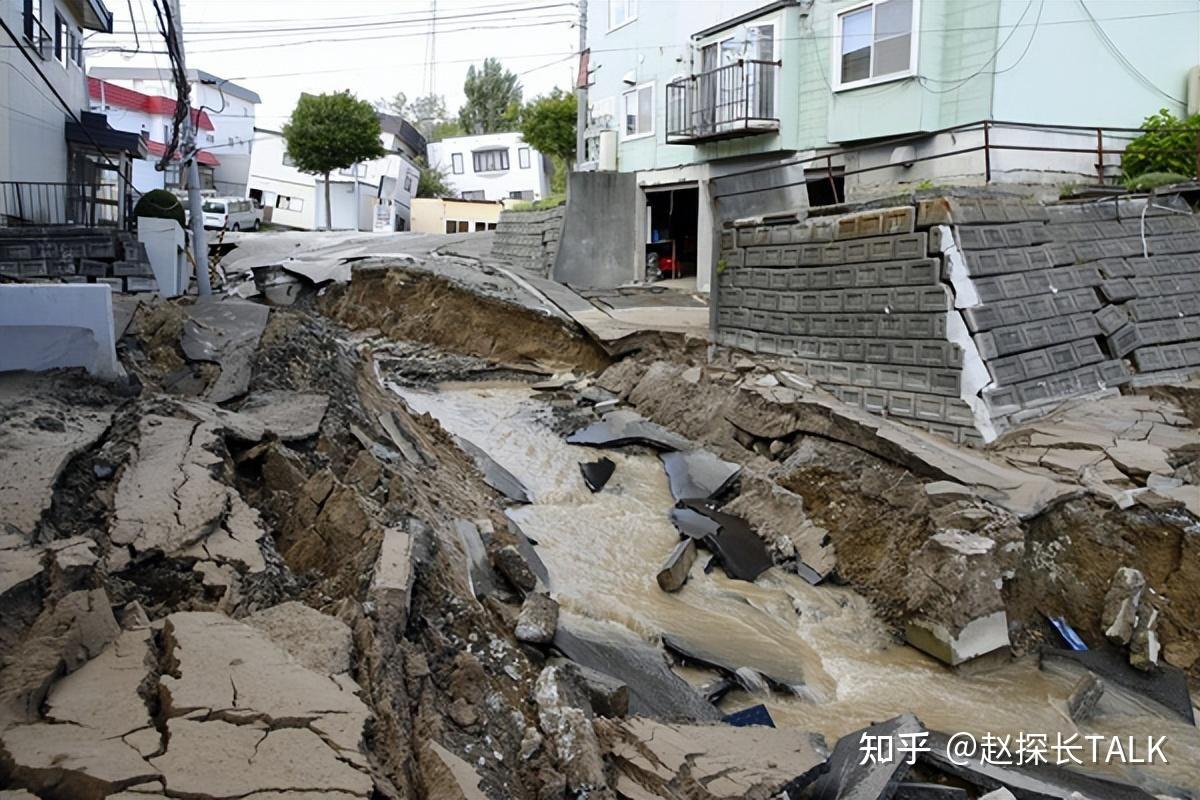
231 213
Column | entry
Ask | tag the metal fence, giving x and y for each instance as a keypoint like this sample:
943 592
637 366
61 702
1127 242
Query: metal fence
734 99
49 203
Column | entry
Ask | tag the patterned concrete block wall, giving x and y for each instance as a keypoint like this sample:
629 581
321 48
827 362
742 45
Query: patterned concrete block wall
529 238
964 315
75 255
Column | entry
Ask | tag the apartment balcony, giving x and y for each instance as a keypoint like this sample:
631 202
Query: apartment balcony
725 103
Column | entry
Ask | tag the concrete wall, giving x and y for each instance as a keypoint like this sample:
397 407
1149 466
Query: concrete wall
600 238
529 238
50 326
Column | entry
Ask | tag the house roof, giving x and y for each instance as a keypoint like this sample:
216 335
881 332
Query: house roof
92 130
206 158
121 97
92 14
404 130
194 75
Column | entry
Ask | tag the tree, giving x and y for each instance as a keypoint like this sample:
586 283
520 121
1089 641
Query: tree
493 99
548 124
331 131
426 113
431 182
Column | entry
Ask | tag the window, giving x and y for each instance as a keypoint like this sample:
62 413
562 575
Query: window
287 160
638 111
464 227
875 43
456 164
451 227
213 207
474 195
523 157
490 160
33 24
491 226
60 39
408 183
526 194
77 47
480 226
621 12
289 203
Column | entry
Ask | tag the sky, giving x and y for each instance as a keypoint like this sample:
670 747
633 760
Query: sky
374 48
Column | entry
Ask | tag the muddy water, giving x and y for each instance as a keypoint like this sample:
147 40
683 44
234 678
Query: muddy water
602 552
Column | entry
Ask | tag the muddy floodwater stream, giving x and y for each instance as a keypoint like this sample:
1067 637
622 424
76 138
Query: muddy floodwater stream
603 550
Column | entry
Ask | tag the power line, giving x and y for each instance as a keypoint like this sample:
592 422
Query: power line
983 68
1116 51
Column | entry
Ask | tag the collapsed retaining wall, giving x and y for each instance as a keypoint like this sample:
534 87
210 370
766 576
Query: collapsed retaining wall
529 237
965 315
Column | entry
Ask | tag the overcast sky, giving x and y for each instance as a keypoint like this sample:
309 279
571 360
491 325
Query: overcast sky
385 52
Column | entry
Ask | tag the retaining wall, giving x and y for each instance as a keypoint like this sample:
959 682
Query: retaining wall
529 238
966 315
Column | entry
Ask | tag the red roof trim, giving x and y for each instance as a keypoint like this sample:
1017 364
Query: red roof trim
203 156
121 97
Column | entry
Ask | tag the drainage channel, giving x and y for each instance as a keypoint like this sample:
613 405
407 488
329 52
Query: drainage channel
602 552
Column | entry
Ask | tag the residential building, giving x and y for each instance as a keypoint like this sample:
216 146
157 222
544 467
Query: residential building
152 118
455 215
739 108
492 166
374 195
57 164
229 106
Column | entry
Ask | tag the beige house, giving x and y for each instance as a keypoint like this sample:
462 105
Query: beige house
453 215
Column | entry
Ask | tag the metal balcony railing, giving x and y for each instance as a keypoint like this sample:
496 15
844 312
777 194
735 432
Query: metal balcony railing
731 101
47 203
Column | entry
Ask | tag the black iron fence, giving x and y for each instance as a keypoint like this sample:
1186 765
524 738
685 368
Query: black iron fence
734 100
49 203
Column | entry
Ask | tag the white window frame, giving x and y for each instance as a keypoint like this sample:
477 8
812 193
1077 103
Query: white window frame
835 51
523 161
631 13
456 164
653 112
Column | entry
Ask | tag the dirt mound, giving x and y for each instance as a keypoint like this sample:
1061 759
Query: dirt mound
403 304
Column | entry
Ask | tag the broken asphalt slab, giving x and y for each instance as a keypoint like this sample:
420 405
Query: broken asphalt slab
287 416
725 656
743 555
1027 782
697 474
597 473
852 777
495 475
623 427
1163 692
654 690
225 332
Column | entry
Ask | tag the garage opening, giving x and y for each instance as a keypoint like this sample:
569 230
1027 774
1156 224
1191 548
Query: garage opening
672 223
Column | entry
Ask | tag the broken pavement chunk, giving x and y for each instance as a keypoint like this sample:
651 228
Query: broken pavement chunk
852 777
597 473
697 474
288 416
102 695
71 761
479 569
1121 605
1084 697
1144 646
727 656
318 641
674 571
391 585
225 332
1127 691
624 427
743 555
494 475
448 776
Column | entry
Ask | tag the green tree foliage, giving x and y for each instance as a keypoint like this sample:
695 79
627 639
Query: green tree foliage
1168 145
426 113
331 131
432 181
493 99
548 125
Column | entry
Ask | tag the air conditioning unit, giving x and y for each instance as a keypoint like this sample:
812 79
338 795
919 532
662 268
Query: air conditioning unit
608 150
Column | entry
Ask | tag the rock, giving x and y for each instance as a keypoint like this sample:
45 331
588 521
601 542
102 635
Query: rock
20 563
697 474
597 473
512 565
225 332
778 517
391 585
942 492
531 743
74 558
102 695
448 776
624 427
957 611
1084 697
691 375
999 794
565 718
493 474
538 619
1121 605
236 542
705 762
852 776
71 761
214 758
318 641
133 616
1144 645
674 571
479 569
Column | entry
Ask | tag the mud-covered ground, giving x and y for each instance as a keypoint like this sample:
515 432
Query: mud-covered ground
214 602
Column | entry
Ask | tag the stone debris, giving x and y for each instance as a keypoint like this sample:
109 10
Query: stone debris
538 619
512 565
697 474
225 332
849 778
999 794
565 717
727 656
1127 691
778 517
624 427
597 473
1120 612
392 581
1084 697
286 416
479 568
957 611
318 641
705 762
1144 645
495 475
673 574
102 695
450 777
928 791
19 563
741 553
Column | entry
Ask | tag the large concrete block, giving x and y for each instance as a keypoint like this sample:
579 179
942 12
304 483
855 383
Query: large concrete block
58 325
876 222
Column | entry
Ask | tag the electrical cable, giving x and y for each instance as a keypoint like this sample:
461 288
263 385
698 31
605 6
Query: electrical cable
1116 51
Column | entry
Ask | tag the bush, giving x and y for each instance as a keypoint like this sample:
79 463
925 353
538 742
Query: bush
1152 180
1168 145
160 204
545 204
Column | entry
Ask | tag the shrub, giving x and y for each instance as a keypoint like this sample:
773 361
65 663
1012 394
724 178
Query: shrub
1152 180
1168 145
160 204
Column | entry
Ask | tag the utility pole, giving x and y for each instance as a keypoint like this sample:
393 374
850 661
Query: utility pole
199 245
581 91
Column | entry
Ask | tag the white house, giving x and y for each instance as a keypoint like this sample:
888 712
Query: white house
53 158
374 195
492 166
152 117
229 107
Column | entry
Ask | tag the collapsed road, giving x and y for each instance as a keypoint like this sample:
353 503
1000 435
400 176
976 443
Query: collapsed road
363 549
